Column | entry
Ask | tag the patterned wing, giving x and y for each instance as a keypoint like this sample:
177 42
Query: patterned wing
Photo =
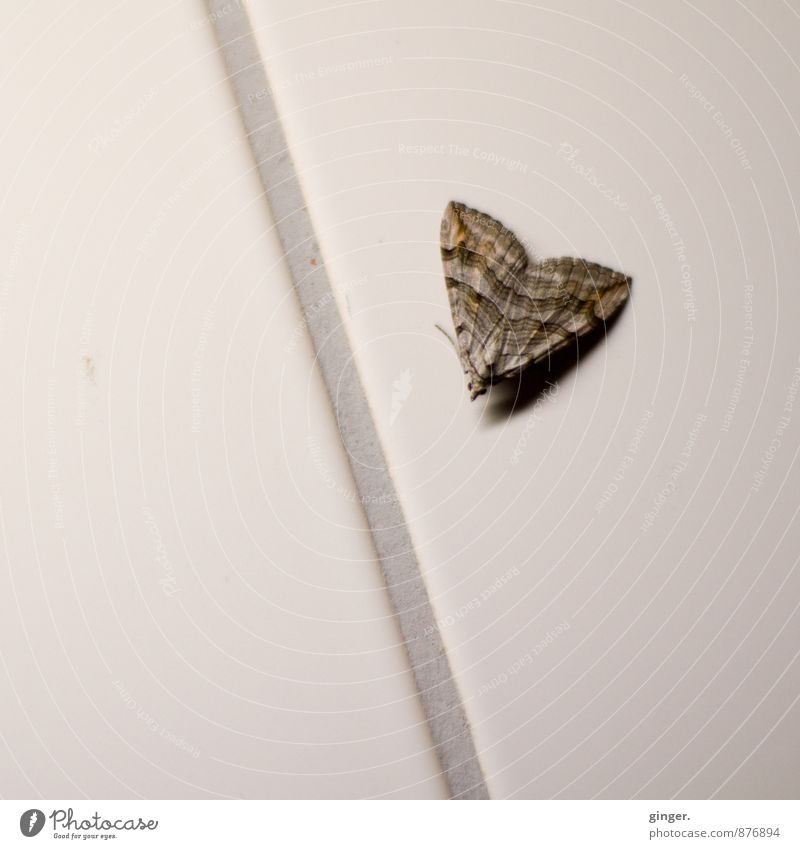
485 268
566 298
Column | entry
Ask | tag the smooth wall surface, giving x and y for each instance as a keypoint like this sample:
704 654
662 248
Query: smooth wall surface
612 557
189 602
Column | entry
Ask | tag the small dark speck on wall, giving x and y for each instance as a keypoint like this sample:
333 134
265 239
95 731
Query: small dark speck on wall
88 368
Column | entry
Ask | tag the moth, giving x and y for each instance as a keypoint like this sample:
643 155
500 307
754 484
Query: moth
510 311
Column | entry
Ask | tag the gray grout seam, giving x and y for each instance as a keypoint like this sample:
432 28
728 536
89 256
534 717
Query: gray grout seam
441 702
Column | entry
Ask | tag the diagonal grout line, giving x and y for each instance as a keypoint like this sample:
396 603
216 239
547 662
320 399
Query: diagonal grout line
444 711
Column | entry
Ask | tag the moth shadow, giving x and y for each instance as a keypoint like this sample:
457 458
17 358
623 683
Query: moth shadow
520 393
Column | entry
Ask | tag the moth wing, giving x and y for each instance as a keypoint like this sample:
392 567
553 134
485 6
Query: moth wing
566 298
485 273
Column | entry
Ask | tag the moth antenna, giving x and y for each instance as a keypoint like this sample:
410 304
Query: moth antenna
449 337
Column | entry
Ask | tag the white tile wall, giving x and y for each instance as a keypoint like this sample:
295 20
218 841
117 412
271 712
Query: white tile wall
189 601
614 566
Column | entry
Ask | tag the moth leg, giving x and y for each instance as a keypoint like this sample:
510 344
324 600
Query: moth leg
449 338
476 386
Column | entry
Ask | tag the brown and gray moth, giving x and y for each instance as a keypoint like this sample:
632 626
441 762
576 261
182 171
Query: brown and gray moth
510 311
